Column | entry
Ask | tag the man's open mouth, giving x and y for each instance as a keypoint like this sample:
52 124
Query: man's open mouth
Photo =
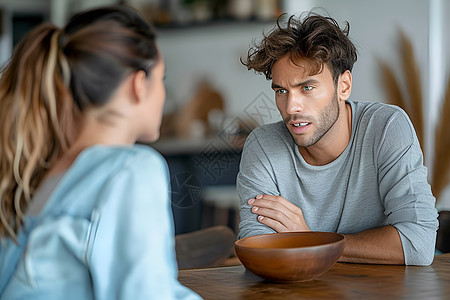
300 124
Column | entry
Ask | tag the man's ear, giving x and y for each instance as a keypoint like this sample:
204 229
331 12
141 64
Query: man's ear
138 85
344 88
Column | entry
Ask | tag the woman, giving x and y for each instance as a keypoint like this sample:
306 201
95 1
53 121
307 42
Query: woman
85 212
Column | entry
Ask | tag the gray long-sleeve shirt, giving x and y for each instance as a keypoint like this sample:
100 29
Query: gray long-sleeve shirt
378 180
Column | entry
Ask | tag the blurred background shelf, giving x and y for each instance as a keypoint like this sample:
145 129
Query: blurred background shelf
203 182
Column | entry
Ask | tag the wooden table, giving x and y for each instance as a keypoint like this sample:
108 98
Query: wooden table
342 281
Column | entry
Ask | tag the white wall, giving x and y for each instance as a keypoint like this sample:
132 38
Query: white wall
446 24
61 10
212 53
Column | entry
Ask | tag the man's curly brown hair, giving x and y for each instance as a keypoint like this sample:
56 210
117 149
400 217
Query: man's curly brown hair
316 40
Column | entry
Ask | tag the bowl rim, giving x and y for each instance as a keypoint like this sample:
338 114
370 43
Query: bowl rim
341 240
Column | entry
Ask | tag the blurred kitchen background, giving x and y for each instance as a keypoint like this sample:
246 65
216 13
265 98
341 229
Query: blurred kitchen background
213 102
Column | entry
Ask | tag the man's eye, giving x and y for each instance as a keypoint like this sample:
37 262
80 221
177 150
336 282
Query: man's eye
281 91
307 88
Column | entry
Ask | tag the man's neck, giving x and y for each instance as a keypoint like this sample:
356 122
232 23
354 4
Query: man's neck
333 142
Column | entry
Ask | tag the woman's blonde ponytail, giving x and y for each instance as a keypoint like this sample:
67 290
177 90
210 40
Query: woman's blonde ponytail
36 120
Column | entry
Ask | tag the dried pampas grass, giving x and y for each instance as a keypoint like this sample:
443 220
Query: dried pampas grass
412 77
392 86
412 103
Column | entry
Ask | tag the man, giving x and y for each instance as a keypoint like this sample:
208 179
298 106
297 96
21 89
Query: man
333 164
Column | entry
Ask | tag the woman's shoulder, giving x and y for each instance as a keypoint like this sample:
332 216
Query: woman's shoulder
120 157
106 169
98 165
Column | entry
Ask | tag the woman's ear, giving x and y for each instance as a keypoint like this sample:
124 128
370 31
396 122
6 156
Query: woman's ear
138 85
345 85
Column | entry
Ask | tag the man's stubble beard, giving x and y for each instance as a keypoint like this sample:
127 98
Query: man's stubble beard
327 118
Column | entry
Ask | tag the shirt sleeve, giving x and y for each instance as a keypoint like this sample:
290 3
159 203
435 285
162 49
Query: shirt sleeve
408 201
255 177
131 248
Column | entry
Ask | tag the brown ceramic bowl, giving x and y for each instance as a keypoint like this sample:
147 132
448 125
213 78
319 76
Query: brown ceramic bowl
290 256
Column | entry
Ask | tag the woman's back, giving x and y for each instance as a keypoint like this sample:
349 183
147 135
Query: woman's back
88 234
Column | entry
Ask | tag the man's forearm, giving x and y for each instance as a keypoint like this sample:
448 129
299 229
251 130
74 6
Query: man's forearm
374 246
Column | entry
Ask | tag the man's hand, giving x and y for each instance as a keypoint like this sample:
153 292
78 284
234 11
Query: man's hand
278 213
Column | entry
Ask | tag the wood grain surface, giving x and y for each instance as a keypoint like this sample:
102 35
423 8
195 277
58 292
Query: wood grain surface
342 281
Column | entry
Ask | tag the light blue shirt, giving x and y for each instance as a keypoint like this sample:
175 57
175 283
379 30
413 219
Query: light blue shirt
106 232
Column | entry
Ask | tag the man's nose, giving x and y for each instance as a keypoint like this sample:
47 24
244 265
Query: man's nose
294 104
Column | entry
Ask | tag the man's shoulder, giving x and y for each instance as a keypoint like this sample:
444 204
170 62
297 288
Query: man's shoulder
380 121
379 115
272 130
376 109
268 137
